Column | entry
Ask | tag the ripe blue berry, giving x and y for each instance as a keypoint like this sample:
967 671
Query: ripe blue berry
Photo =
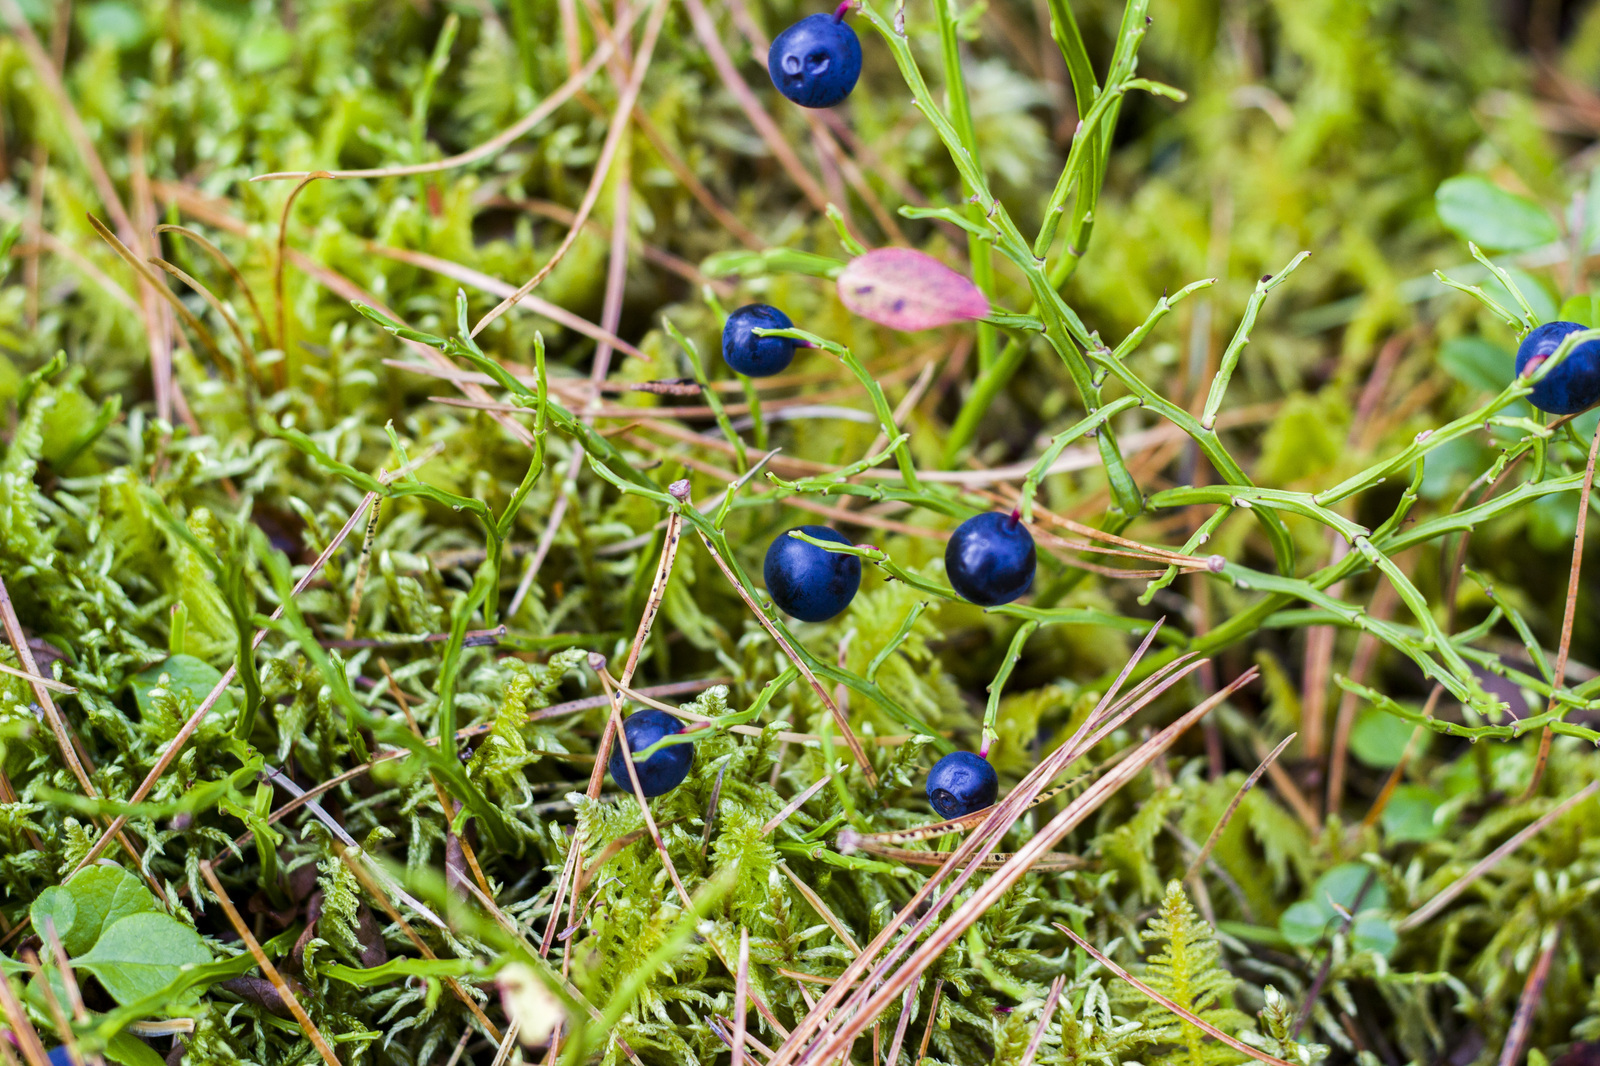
1569 388
59 1056
961 783
808 582
663 771
990 559
816 61
749 354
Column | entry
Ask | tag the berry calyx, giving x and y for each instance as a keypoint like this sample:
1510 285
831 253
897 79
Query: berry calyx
961 783
1571 387
990 559
816 62
751 354
661 772
808 582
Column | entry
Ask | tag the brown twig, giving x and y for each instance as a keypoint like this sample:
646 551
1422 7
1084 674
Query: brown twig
1188 1016
1443 899
1567 616
1233 806
269 971
839 718
1528 1004
1045 1015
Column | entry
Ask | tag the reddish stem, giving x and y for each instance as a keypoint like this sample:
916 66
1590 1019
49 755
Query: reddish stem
1016 516
842 10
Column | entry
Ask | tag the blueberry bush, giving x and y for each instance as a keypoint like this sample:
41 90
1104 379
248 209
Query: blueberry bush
373 450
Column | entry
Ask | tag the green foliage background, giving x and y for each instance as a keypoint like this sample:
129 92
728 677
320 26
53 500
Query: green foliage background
141 552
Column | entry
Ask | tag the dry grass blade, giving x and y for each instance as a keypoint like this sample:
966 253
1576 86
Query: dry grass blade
839 718
1054 862
740 994
495 287
1233 806
1111 711
608 152
227 264
1567 616
900 1026
176 745
1491 860
148 276
933 1016
861 1010
1528 1004
247 352
21 1028
542 111
1045 1015
36 680
1189 1017
269 971
822 909
794 805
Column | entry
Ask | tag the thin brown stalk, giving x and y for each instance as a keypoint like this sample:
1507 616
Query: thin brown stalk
861 1009
638 792
246 352
1188 1016
1528 1004
741 992
1045 1015
906 999
269 971
706 30
1233 805
508 1044
1567 617
376 891
58 1017
495 287
147 275
175 747
933 1015
794 805
822 909
1108 714
277 269
221 258
21 1028
542 111
839 718
1491 860
608 151
1291 793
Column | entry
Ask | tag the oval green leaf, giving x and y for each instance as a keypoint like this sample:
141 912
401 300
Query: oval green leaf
1477 210
143 953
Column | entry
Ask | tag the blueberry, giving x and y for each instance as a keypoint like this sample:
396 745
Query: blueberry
990 559
808 582
757 357
961 783
59 1057
1575 384
816 61
663 771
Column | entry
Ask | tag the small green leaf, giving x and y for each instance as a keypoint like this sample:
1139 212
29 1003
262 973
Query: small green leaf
1378 738
1583 309
55 907
1372 932
1303 923
1410 815
184 673
103 895
1340 886
129 1050
142 954
1477 210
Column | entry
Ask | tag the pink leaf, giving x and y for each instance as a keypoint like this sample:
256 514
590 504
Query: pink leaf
905 289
